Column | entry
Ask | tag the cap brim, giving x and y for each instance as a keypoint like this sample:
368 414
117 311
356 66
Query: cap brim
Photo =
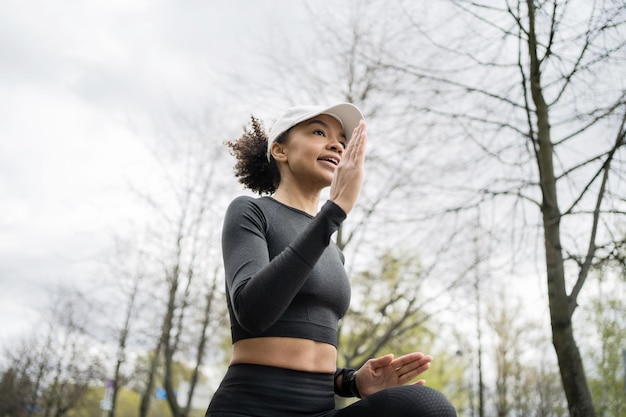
347 114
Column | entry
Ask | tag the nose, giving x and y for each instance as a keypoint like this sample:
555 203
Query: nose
334 143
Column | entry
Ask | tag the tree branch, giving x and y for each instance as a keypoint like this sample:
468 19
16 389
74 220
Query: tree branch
591 249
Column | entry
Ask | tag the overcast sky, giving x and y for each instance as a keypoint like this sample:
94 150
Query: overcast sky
75 78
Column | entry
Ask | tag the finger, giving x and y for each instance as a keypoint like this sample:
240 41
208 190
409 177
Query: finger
411 370
357 132
355 147
381 361
411 358
414 368
362 140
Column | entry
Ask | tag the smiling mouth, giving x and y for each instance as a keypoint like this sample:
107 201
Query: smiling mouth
330 160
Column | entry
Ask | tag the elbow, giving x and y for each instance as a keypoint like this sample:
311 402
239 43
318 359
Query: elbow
252 320
252 325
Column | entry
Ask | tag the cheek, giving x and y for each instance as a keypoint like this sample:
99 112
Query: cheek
308 152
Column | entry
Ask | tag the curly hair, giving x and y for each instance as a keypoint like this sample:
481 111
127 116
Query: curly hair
253 169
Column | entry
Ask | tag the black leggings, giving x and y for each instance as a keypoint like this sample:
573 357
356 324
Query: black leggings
265 391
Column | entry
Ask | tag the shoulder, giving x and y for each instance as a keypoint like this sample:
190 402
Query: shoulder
240 205
247 203
251 208
242 201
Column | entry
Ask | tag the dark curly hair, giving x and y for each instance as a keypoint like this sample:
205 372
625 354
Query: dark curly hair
252 169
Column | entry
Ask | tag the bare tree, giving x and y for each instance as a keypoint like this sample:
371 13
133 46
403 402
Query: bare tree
516 109
518 371
536 92
51 371
149 381
129 271
183 229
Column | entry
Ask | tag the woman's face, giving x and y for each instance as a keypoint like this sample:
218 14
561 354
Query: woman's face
312 151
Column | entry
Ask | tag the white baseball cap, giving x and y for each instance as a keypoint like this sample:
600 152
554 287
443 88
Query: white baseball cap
346 113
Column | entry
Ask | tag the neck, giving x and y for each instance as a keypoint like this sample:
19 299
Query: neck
298 198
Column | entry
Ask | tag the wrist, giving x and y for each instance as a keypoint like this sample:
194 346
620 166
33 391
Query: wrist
351 384
345 383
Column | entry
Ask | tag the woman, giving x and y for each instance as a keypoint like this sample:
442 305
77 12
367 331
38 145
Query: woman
286 283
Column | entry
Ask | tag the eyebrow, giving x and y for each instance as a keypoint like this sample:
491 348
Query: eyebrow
324 124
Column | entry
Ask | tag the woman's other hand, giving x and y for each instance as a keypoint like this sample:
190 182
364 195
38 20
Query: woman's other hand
385 371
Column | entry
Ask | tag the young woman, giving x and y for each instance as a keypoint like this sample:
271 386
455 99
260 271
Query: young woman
286 284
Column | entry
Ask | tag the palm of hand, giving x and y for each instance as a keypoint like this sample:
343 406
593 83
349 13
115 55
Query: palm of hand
385 372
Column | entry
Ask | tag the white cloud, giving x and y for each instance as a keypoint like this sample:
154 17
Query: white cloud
79 80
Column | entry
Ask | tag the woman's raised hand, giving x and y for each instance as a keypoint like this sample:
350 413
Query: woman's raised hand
346 184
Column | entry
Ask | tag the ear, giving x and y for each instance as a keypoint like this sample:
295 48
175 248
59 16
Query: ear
278 152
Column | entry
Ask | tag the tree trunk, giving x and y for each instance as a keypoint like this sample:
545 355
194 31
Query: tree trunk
144 407
561 309
201 348
121 348
479 337
168 348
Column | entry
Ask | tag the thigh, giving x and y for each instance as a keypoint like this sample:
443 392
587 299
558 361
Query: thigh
401 401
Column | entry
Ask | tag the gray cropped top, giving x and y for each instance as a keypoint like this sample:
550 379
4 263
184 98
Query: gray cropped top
284 275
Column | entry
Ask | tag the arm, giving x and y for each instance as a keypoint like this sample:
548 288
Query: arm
260 290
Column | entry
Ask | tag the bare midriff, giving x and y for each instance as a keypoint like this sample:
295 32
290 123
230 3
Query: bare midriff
286 352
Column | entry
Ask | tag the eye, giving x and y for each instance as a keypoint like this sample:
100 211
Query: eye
319 132
344 144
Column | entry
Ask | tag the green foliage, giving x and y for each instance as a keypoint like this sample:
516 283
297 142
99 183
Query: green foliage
388 315
446 374
127 405
180 372
89 405
605 319
49 372
385 314
525 383
15 390
64 397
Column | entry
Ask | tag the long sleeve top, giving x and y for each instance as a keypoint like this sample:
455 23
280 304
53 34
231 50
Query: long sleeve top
284 275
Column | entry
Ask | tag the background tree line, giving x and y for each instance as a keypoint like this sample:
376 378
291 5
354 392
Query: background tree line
497 157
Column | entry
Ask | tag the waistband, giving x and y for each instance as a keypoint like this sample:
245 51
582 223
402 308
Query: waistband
268 391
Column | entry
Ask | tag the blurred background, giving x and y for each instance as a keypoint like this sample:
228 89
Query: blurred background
490 233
